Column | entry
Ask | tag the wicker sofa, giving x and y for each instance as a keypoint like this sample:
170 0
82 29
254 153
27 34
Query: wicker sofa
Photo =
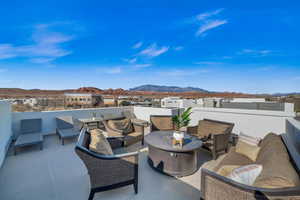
279 178
107 171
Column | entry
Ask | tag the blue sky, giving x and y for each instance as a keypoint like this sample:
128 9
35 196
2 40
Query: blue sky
234 46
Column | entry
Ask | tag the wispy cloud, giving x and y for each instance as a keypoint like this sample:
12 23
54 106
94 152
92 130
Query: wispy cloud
154 50
207 21
113 70
208 63
178 48
137 45
46 45
255 52
208 25
140 66
131 60
182 73
206 15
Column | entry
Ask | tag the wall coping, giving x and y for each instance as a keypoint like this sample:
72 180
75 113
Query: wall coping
247 112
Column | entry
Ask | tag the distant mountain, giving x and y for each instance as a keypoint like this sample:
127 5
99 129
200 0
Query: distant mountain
159 88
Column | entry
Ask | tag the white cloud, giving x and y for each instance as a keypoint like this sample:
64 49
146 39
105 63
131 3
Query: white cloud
46 46
182 73
206 15
114 70
154 50
208 63
139 66
41 60
137 45
255 52
211 24
131 61
207 21
178 48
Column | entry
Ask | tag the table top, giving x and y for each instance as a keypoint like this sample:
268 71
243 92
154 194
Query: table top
163 140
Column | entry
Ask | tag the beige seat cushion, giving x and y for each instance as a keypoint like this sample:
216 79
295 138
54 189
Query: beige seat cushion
278 171
233 158
99 143
205 128
123 124
132 138
225 170
251 151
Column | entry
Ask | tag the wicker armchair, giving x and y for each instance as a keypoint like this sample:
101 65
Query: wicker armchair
161 123
214 134
137 134
107 171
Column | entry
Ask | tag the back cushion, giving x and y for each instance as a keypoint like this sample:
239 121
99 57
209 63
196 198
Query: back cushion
123 124
278 171
205 128
162 123
99 144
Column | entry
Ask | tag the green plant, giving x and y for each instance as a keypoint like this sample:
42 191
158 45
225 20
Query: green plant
182 120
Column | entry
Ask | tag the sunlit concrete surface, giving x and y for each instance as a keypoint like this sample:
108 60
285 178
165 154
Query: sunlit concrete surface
56 173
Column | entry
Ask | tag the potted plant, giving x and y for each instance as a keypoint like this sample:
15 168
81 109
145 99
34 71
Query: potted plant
180 121
93 116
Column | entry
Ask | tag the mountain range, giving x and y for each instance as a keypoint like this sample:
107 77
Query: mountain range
160 88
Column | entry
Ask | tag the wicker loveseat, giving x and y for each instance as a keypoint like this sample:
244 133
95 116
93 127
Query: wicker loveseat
279 179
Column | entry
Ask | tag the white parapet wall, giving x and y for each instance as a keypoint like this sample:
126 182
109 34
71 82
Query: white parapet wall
252 122
145 112
5 128
48 117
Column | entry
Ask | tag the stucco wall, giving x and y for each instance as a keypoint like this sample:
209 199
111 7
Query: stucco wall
252 122
48 117
5 128
145 112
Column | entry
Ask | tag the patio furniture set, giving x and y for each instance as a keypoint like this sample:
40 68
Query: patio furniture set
97 146
118 170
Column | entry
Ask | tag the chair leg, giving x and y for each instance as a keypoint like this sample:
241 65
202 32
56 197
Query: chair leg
214 155
91 196
135 185
41 146
62 141
15 151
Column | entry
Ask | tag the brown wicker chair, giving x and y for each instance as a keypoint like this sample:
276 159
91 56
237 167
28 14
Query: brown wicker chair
161 123
107 171
137 135
214 134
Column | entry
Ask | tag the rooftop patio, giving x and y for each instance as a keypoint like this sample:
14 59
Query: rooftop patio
57 172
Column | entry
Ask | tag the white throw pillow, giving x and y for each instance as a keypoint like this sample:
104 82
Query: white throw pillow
246 174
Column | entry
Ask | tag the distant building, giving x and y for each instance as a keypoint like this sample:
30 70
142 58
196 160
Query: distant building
176 102
83 99
109 100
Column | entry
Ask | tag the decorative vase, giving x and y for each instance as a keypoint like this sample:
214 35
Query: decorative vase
178 135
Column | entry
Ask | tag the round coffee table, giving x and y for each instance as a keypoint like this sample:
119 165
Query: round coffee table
173 160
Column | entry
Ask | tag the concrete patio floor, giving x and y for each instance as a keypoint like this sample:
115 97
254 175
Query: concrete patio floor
56 173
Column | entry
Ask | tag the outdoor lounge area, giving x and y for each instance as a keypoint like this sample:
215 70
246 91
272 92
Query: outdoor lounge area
62 172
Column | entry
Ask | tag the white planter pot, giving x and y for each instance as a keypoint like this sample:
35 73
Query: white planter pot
178 135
